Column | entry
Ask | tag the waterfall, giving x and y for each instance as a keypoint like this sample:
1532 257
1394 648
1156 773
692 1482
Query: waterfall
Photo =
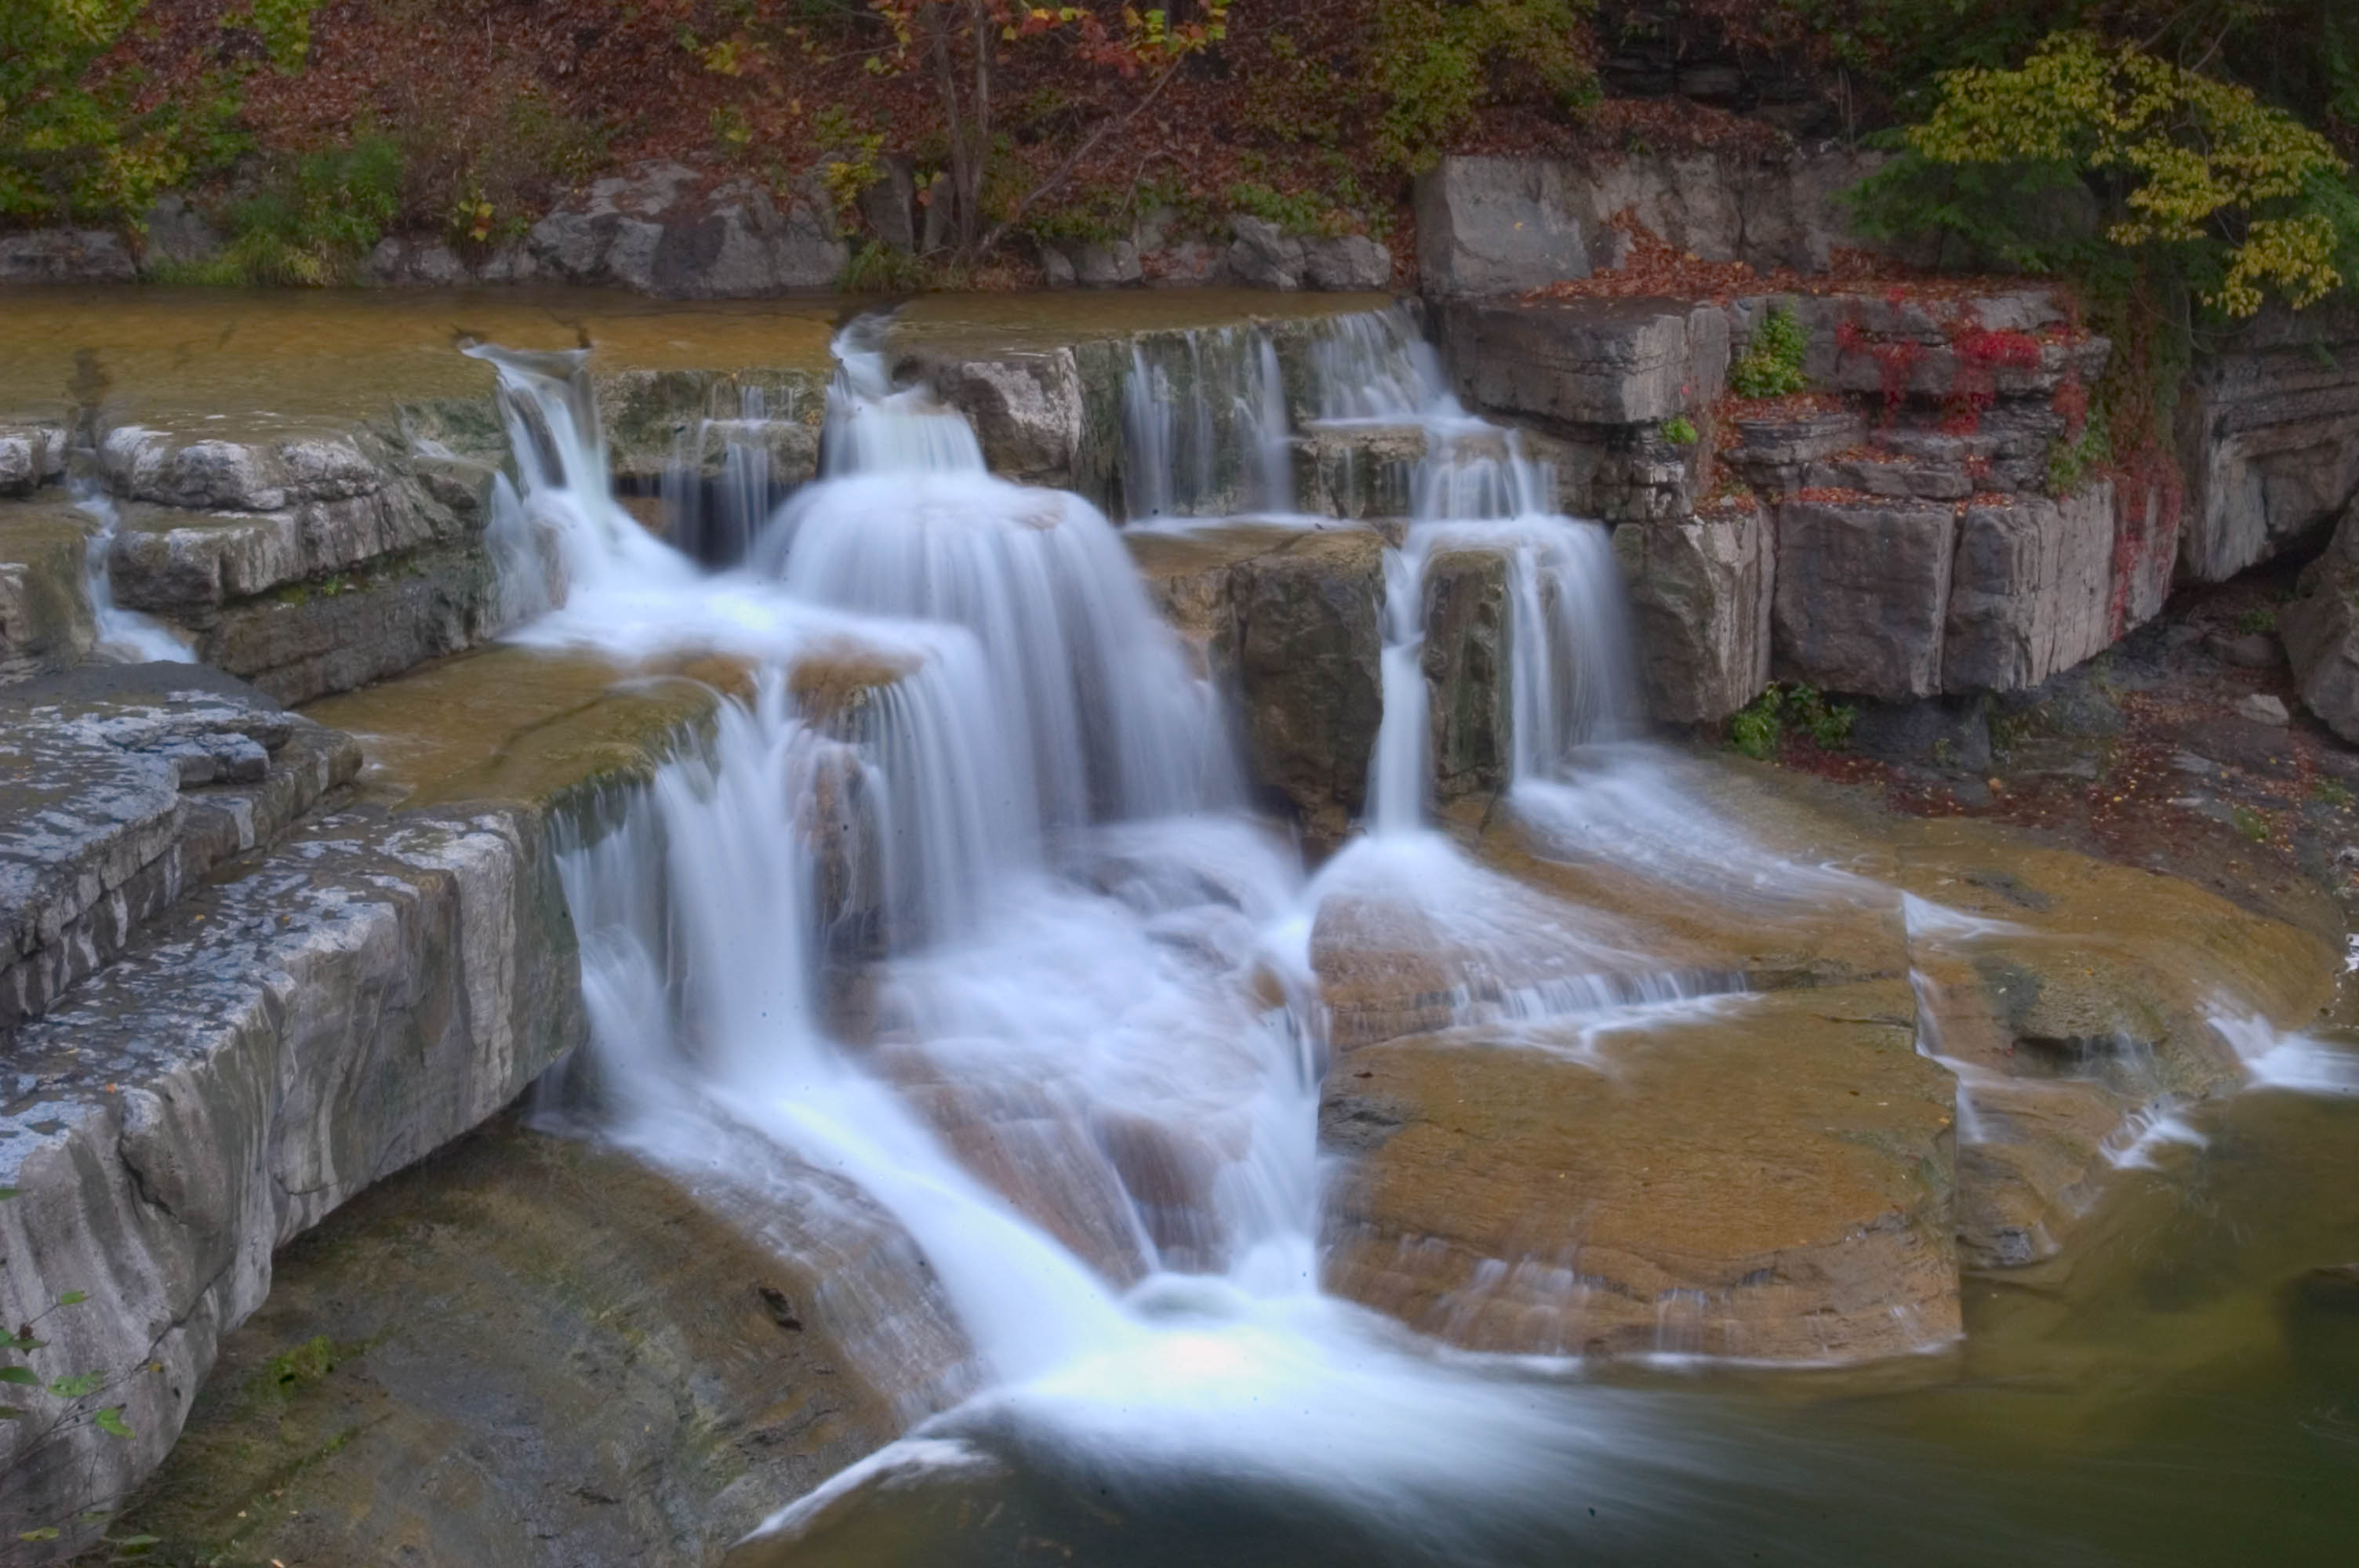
713 517
1204 421
124 634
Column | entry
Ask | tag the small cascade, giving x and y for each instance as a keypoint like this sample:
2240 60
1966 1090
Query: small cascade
874 428
1204 421
124 634
714 509
565 530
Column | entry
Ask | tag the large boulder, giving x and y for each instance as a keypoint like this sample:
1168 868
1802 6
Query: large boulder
1587 363
1700 590
657 229
2321 629
2031 591
1498 225
1863 595
1469 700
1291 619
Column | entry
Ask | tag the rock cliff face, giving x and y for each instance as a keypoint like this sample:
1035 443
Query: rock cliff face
2270 427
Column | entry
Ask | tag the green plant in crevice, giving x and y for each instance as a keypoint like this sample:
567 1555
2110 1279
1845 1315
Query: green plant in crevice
1679 430
2250 824
1771 364
1761 726
2263 618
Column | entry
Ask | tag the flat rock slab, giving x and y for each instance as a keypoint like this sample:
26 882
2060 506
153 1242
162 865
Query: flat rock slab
272 1045
121 786
538 1350
1765 1177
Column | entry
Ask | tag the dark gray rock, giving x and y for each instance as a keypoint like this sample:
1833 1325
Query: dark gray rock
420 261
66 255
1469 700
178 233
46 617
1346 263
1263 255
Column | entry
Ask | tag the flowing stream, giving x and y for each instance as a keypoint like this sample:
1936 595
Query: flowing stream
966 908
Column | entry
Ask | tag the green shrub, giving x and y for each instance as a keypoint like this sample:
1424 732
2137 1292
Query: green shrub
1771 364
879 268
1435 62
1679 430
315 219
1758 727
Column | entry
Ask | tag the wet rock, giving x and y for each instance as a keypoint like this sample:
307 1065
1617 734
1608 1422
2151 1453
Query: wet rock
45 611
657 419
174 469
265 1050
1770 1179
65 255
1291 617
655 230
30 457
2031 591
1360 471
1700 590
2245 649
1938 732
1030 412
1588 361
1863 593
533 1350
1309 645
1469 704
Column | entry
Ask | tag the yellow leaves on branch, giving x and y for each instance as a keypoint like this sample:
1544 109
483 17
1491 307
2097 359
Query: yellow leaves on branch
2202 159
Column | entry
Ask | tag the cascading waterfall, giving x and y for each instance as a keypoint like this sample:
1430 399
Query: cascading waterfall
123 634
713 517
963 914
1205 430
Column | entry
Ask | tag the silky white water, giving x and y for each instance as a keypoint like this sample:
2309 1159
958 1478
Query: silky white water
965 914
123 635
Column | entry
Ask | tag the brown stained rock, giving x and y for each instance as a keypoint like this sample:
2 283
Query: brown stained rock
1772 1180
1468 700
536 1351
1293 616
829 683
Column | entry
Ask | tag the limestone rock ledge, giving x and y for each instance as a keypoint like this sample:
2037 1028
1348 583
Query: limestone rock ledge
265 1050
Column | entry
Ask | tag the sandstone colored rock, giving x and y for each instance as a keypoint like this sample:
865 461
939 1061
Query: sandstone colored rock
1771 1178
1700 592
1028 411
2031 591
1863 594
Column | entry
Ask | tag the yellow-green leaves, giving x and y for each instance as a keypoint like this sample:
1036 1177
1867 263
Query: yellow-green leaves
2187 159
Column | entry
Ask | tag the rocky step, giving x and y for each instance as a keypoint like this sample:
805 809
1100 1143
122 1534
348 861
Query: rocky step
128 785
687 1356
1770 1176
46 617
